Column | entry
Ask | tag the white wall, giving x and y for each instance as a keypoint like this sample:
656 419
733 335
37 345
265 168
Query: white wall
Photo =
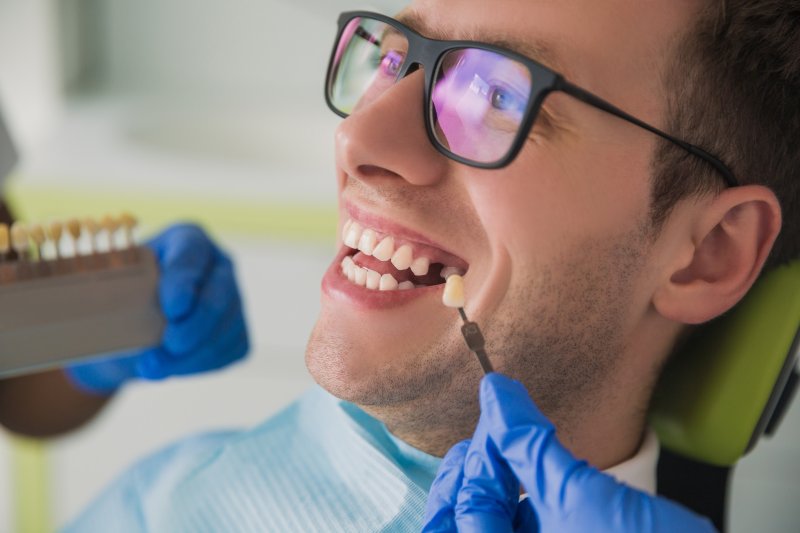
29 69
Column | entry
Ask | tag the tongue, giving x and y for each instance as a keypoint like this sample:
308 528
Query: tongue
382 267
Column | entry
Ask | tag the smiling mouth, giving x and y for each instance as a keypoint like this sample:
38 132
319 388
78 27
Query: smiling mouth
382 262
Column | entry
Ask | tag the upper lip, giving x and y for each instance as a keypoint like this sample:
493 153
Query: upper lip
384 225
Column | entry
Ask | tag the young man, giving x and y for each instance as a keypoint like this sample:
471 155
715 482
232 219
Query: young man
586 252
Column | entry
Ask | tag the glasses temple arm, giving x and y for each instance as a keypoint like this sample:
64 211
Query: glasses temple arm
594 101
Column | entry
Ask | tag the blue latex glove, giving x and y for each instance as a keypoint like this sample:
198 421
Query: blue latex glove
205 322
477 487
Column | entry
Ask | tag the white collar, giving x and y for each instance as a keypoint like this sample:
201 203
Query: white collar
640 470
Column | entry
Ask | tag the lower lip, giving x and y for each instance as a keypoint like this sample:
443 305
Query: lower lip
336 285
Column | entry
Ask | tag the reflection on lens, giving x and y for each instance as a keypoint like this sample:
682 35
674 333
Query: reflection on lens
478 102
368 58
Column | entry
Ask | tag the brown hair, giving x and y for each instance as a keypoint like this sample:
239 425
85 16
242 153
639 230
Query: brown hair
733 88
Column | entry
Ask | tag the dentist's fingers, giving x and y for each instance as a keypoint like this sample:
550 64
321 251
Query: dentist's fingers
185 255
217 297
567 494
228 344
489 492
527 440
439 511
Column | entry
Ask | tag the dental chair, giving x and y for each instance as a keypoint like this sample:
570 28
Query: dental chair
725 388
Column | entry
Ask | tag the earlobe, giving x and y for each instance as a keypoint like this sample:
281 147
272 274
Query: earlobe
728 243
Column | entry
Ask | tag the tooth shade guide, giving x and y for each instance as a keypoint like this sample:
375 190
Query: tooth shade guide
453 295
53 255
60 310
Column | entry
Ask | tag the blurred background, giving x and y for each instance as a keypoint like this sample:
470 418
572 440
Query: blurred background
194 110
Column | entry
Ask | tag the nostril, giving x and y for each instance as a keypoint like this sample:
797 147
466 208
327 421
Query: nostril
374 171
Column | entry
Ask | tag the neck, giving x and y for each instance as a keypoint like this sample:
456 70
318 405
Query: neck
605 427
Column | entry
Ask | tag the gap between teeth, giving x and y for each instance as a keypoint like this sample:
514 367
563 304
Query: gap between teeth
366 241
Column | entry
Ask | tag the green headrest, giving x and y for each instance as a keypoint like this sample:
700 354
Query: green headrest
718 392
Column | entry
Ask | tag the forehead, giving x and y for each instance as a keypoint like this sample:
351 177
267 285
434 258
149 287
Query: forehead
529 45
583 39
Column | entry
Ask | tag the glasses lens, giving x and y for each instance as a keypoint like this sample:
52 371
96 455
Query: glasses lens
478 103
368 59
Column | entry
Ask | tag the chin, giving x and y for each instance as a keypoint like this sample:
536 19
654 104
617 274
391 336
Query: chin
371 371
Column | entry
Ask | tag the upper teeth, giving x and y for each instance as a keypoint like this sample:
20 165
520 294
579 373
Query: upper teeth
366 241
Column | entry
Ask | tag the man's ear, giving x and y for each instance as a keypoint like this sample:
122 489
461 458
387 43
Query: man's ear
726 246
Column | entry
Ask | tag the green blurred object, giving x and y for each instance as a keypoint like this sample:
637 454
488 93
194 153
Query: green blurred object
245 216
719 393
31 482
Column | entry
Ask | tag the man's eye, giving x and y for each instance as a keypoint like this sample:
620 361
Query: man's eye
505 99
502 99
391 63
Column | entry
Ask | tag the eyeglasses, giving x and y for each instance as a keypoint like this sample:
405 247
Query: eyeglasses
480 100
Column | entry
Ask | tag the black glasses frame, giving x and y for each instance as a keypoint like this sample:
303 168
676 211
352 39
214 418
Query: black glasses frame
428 53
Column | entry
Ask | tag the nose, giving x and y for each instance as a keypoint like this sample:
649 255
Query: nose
386 137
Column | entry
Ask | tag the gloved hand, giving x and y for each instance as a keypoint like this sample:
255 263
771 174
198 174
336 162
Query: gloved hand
205 323
477 487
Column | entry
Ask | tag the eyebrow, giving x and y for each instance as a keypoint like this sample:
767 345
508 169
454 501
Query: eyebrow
535 49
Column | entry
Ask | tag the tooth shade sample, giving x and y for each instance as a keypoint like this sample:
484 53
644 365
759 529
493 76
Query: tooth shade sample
54 231
405 285
367 242
353 235
373 280
454 292
388 283
19 237
402 257
361 276
5 239
449 271
109 223
91 226
384 250
420 266
74 228
37 234
128 221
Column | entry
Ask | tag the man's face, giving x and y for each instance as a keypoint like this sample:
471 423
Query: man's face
556 246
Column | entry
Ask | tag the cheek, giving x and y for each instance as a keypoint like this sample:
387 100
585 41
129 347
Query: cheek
524 209
541 203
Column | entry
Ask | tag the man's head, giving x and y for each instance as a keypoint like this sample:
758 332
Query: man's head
580 284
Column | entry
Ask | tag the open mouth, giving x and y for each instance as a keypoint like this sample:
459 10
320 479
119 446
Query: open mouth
382 262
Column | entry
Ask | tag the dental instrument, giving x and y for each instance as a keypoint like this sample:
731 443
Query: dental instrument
62 306
453 296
